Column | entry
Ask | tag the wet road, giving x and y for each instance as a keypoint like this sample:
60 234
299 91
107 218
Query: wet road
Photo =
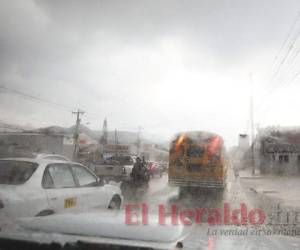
160 193
203 235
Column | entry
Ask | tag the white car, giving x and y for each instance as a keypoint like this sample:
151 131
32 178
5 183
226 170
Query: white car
51 157
39 187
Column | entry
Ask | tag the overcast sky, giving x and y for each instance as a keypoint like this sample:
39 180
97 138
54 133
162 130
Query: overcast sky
166 66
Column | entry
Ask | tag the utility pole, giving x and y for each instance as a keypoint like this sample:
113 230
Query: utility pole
252 126
104 138
116 142
138 141
76 132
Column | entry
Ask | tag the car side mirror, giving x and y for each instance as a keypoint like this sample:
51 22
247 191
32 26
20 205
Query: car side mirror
100 181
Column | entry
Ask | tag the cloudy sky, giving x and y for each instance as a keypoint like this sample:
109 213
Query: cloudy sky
165 65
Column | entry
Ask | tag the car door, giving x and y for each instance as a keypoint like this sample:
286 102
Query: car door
60 186
90 193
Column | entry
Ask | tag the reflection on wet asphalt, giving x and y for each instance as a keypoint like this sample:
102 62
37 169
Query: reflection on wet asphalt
160 193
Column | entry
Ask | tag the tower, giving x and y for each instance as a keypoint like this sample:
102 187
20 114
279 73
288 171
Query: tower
103 139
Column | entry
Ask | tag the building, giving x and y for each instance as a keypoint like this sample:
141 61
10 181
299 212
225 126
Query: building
154 152
115 149
20 143
239 154
244 142
277 151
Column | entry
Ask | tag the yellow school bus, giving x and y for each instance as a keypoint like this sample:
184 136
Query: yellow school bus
196 159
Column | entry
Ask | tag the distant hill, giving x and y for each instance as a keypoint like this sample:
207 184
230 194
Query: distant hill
7 127
124 137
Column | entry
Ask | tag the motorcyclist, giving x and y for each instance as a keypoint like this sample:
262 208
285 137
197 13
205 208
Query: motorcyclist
145 174
140 173
137 169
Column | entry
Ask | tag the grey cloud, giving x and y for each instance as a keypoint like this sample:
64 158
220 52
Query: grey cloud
46 48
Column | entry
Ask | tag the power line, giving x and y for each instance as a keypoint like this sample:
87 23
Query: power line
41 100
291 46
285 83
35 98
286 39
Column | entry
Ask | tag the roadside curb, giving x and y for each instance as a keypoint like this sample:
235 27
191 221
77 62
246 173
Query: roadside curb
252 177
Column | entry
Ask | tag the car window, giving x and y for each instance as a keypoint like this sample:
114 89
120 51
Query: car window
61 176
85 178
47 181
16 172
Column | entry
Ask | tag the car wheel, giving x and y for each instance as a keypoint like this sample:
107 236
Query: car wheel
115 203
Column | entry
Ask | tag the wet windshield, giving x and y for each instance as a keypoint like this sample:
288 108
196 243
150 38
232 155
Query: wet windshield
154 124
16 172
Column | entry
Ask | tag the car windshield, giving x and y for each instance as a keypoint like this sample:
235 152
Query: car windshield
16 172
155 124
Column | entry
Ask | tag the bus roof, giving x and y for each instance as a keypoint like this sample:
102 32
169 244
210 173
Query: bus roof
197 135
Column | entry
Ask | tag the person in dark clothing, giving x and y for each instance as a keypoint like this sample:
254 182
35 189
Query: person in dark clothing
137 169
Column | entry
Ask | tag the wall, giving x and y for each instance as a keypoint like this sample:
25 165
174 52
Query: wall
281 159
27 142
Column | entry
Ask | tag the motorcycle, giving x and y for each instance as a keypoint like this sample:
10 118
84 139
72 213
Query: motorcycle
136 182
